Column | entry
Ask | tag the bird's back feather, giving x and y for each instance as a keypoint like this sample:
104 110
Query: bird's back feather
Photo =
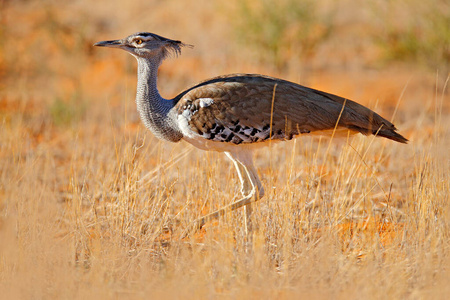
244 108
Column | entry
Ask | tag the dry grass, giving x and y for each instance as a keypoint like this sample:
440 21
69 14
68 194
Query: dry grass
92 205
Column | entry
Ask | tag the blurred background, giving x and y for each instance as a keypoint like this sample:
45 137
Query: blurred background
367 51
74 212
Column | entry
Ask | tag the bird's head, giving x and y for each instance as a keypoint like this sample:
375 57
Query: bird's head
146 45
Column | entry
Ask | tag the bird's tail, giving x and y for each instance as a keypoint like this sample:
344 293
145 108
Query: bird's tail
357 117
385 131
392 135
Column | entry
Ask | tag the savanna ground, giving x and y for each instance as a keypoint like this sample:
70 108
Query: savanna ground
92 206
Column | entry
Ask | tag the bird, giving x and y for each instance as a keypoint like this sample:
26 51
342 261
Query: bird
238 113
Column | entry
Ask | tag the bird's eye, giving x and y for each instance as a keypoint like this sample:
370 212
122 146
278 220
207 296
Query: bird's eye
138 41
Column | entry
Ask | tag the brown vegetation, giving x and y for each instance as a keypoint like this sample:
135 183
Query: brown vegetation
92 205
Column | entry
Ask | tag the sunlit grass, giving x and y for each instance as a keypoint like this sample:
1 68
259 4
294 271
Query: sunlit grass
92 206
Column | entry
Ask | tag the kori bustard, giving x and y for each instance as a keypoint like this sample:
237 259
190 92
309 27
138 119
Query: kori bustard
239 112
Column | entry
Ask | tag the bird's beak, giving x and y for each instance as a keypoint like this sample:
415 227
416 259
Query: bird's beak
111 44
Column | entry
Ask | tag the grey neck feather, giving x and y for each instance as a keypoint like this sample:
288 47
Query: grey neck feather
155 111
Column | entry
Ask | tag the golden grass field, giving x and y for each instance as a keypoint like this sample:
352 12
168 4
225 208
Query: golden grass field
92 206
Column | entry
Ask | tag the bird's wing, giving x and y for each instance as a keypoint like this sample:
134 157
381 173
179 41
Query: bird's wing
252 108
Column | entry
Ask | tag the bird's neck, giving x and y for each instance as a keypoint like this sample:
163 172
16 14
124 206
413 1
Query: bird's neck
155 111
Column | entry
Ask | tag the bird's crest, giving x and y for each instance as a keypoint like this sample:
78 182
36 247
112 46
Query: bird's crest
173 48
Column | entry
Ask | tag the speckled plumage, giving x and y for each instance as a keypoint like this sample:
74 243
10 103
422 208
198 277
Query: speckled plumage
241 111
156 113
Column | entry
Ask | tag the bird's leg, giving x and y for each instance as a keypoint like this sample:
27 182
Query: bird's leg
247 189
252 190
248 175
